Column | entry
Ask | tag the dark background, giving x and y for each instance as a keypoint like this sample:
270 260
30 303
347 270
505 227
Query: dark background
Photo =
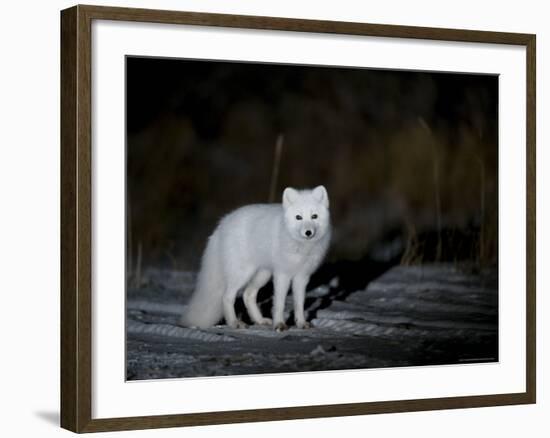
409 158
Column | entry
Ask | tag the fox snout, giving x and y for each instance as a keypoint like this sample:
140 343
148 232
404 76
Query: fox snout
308 233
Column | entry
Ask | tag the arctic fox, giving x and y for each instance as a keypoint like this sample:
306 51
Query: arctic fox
250 245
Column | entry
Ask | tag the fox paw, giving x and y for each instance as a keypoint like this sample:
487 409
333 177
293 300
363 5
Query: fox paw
264 321
303 324
281 326
237 324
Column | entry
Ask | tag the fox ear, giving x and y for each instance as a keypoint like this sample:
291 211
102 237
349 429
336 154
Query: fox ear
320 195
290 196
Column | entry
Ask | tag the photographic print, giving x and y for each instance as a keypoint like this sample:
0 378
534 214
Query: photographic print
294 218
308 206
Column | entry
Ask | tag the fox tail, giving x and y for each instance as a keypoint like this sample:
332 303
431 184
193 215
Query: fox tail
205 308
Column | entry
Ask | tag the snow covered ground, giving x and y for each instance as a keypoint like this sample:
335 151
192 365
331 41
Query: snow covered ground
409 315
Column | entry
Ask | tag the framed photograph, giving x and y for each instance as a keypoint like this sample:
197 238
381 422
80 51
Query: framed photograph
269 218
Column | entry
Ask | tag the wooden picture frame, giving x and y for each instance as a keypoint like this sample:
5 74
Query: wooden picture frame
76 218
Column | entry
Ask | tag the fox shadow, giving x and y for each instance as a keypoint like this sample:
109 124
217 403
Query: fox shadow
351 275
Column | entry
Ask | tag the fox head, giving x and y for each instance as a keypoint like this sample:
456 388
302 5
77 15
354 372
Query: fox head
306 213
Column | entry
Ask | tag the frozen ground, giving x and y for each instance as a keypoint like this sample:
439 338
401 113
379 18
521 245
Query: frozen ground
416 315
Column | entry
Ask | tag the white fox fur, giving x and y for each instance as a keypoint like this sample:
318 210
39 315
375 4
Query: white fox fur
250 245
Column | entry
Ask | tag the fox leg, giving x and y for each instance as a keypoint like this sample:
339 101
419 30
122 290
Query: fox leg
299 284
250 294
281 283
233 286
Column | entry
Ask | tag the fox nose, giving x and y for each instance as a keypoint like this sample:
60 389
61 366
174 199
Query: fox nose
309 233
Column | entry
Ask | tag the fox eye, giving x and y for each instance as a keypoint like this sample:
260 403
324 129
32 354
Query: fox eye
298 217
313 216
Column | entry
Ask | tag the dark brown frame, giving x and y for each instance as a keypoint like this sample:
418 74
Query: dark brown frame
76 236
